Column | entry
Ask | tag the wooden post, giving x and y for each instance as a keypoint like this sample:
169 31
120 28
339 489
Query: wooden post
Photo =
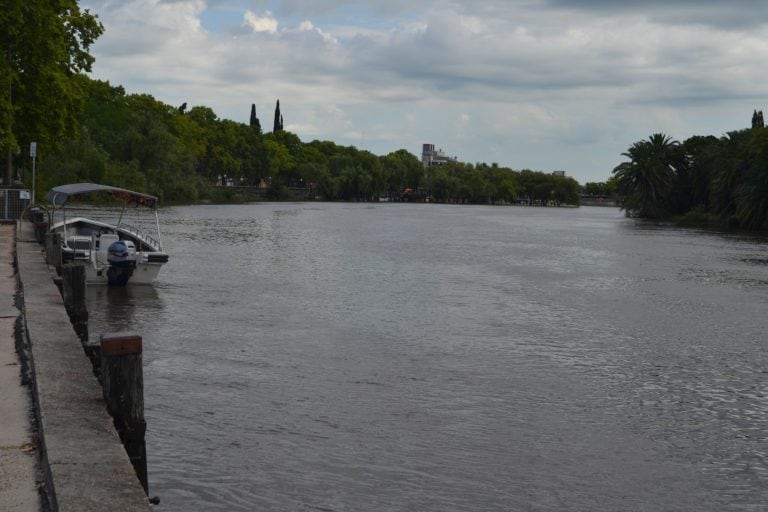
73 292
53 251
123 384
48 248
39 220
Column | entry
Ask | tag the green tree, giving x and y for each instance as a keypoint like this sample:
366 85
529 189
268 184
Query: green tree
278 123
701 153
44 48
401 170
281 162
442 184
501 183
751 192
595 188
566 191
373 170
254 121
730 164
525 182
473 187
645 182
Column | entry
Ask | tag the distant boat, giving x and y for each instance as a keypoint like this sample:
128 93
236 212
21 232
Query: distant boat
112 253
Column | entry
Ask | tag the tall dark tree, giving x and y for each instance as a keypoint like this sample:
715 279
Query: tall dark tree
43 50
757 119
647 179
255 124
278 124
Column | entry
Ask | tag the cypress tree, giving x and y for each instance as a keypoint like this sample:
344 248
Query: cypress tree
278 125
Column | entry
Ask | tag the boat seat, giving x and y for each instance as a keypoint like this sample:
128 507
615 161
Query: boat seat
105 240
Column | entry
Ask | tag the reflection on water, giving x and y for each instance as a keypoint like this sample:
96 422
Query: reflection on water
347 357
116 309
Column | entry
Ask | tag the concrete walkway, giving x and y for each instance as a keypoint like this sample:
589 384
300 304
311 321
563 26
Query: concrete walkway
84 464
19 475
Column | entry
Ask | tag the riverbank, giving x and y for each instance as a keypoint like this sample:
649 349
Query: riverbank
82 464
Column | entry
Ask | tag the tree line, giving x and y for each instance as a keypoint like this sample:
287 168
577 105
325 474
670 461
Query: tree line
705 179
184 155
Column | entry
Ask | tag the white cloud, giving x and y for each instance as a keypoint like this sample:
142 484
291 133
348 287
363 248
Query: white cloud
266 23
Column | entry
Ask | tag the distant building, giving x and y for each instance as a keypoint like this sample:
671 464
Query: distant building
431 157
558 173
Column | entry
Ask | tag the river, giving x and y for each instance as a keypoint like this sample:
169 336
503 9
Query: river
422 357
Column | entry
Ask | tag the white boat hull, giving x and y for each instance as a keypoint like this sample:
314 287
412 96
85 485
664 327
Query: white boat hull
144 273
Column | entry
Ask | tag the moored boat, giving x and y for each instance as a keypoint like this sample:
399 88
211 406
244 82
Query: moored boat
113 253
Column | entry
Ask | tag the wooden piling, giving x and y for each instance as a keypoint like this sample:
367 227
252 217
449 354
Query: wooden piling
123 385
53 251
40 223
73 292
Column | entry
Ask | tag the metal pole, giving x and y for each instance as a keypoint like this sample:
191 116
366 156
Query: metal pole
33 154
157 223
33 180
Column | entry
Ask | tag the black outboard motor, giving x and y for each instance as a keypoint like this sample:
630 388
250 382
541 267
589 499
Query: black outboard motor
121 256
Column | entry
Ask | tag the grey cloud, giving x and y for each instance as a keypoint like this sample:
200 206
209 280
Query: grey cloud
731 14
491 65
302 8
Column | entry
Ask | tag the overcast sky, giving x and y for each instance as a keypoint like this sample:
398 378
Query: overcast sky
538 84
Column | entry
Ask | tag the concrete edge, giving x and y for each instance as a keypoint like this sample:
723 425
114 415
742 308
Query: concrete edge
85 466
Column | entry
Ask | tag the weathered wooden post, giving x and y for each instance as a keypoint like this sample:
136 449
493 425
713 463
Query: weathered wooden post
40 223
53 251
49 248
123 384
73 292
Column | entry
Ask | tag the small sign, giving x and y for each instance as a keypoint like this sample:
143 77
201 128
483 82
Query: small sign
33 149
24 194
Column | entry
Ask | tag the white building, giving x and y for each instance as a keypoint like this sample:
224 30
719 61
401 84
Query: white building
430 156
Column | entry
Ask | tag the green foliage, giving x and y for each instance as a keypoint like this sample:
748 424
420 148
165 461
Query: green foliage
277 191
402 170
605 189
442 182
44 49
705 180
697 217
646 181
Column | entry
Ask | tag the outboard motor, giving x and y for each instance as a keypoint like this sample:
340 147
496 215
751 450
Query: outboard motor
121 256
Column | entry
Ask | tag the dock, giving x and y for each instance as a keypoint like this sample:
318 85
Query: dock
59 449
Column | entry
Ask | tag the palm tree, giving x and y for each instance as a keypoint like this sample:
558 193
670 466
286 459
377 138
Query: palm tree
752 200
647 179
730 165
751 193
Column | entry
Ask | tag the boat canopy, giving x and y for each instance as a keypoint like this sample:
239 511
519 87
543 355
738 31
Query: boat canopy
59 195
